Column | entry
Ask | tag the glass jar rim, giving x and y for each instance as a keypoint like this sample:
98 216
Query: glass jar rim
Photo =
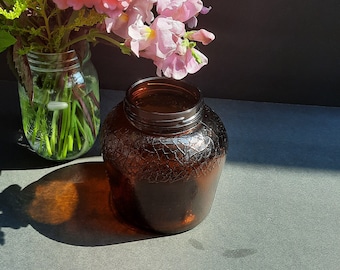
53 62
183 113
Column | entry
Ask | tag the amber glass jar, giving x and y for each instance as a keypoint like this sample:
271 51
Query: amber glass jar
164 151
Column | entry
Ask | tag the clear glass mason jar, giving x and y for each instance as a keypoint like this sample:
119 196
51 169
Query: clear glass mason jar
60 104
164 151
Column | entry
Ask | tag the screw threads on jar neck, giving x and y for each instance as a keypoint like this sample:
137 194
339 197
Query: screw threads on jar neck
53 62
163 106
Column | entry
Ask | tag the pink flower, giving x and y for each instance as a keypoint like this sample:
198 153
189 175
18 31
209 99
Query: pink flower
142 9
178 65
113 8
166 39
201 35
192 22
181 10
172 53
139 11
163 39
141 37
75 4
109 7
117 24
205 10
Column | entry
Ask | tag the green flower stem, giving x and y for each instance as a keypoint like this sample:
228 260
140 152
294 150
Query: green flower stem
48 146
70 143
64 116
73 126
80 127
53 130
36 126
62 130
67 119
64 134
92 35
87 117
76 131
54 135
43 3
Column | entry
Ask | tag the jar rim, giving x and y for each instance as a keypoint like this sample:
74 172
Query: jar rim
53 62
179 108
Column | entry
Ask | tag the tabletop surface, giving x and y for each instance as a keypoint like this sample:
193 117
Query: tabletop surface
277 205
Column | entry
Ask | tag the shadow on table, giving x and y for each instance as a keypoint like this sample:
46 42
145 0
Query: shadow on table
69 205
17 155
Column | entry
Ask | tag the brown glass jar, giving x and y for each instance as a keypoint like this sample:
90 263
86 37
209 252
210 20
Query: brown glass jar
164 151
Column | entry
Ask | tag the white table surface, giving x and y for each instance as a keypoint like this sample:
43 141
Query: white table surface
277 205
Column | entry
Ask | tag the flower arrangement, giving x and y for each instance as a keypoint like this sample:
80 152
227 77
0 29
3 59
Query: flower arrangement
63 124
153 29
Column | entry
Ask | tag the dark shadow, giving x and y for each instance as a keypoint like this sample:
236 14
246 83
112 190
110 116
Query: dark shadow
69 205
19 156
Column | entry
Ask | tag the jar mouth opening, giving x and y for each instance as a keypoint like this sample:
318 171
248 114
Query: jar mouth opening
163 96
163 104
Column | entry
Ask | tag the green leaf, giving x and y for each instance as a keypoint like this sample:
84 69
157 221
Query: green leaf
18 8
6 40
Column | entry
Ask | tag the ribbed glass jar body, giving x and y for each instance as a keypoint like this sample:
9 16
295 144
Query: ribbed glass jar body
164 151
60 104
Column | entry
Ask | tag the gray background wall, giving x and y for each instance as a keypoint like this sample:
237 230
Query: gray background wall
265 50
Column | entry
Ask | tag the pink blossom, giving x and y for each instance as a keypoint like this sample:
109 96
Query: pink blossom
181 10
170 51
75 4
142 9
167 37
163 39
205 10
178 66
139 11
61 4
141 37
192 22
109 7
201 35
113 8
114 23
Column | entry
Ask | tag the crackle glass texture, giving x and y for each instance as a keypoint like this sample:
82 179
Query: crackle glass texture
163 183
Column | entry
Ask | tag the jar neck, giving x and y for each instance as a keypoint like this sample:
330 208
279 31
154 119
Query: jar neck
163 106
53 62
